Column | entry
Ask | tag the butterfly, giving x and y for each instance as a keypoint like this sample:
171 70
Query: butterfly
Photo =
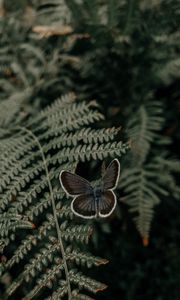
92 202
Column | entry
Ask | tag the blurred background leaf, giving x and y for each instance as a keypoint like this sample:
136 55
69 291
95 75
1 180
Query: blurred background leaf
124 54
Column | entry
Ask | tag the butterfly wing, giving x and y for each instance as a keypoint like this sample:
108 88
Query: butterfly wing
74 184
111 177
107 204
84 206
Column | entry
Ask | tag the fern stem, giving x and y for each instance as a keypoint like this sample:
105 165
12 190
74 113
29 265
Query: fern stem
54 210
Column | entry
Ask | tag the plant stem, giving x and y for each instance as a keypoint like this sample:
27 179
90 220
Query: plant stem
54 211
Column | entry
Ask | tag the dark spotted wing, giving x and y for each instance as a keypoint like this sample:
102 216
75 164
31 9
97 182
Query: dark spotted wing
74 184
107 203
84 206
111 176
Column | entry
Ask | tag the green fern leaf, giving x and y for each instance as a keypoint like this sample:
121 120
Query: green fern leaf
56 139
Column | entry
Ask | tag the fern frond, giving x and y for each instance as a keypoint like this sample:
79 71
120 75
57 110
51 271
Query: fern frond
10 115
79 296
49 12
60 292
143 193
56 139
144 183
84 258
85 135
85 282
138 199
9 223
143 128
80 233
169 72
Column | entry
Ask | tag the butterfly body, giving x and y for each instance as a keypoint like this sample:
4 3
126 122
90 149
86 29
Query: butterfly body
97 194
97 199
92 202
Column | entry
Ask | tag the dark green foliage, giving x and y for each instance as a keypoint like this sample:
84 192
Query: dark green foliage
124 54
133 58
